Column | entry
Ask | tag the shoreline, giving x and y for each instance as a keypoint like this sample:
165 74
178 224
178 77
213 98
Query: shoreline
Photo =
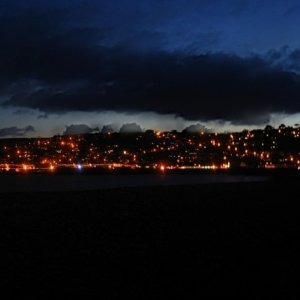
81 182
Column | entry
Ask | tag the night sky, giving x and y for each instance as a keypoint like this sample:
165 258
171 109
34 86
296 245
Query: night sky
227 64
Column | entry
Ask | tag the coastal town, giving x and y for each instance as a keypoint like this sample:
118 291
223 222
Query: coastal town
267 148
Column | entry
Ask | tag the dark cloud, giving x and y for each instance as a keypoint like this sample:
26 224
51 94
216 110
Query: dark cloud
130 128
285 58
203 87
79 129
15 131
55 63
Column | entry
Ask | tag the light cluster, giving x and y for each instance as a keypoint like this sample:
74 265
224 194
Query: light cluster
269 148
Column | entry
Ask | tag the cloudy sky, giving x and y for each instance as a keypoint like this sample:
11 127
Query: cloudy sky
163 64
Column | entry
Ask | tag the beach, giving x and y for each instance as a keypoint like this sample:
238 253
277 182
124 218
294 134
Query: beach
210 240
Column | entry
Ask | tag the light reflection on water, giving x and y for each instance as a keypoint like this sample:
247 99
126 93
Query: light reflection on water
31 183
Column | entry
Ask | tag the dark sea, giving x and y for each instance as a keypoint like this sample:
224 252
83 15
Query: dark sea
43 182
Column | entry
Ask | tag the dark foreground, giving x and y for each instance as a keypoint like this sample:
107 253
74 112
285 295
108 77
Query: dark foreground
152 243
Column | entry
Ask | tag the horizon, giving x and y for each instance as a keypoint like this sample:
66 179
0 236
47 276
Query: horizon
132 128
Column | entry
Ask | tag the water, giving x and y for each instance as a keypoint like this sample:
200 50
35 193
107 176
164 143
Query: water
42 182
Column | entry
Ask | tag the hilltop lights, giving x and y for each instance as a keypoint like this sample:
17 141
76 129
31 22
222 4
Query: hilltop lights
161 150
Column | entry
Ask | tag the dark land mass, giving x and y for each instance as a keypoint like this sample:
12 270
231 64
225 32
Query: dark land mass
212 240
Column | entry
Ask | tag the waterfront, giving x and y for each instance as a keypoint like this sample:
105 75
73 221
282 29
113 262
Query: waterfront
82 182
